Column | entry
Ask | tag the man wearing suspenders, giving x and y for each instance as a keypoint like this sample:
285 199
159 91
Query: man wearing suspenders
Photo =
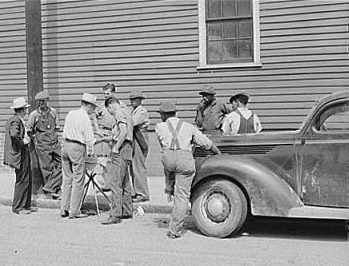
176 138
241 120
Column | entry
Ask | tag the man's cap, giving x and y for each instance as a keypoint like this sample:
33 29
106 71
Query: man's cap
208 90
167 107
19 103
42 95
240 94
89 98
137 95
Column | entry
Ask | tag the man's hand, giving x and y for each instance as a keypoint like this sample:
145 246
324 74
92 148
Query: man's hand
26 140
169 198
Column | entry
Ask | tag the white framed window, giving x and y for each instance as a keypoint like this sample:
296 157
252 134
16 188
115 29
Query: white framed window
229 33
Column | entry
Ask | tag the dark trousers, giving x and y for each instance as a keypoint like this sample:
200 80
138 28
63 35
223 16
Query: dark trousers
49 159
120 187
23 186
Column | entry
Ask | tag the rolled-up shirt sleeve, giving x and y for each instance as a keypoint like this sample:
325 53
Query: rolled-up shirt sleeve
201 139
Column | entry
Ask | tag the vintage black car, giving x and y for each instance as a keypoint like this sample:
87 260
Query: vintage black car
301 173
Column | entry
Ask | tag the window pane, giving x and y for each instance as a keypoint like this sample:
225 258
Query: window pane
214 9
230 29
244 7
230 48
224 51
229 8
214 31
245 29
244 49
215 51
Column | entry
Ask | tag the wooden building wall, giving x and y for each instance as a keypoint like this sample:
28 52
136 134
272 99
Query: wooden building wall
153 46
13 64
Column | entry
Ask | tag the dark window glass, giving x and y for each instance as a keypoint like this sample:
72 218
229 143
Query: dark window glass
229 25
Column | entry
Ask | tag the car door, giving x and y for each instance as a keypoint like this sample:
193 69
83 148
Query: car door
324 153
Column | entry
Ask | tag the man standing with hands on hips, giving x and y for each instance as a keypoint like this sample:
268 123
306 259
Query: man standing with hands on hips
176 138
78 142
121 156
138 168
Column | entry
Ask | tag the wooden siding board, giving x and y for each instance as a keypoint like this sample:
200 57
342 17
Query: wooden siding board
66 7
96 12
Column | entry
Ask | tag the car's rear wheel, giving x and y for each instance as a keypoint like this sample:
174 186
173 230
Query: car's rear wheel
219 208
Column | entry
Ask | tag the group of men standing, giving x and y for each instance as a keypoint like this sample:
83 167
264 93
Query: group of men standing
119 135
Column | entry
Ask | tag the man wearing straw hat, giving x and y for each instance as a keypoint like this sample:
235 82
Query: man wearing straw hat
176 138
138 168
43 125
17 156
78 142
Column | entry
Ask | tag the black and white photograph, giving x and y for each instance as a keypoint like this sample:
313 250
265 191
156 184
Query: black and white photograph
174 132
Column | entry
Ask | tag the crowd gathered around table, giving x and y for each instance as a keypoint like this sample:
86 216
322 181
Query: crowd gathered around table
118 136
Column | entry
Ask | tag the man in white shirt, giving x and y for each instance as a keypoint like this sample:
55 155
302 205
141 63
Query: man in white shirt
176 139
138 168
78 142
241 120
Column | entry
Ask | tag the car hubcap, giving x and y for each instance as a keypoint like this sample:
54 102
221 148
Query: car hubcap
217 207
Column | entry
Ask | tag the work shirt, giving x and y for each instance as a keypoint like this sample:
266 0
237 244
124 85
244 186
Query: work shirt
107 120
140 117
187 135
123 125
211 117
231 125
43 125
78 127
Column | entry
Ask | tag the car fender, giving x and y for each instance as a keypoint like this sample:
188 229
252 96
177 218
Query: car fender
267 193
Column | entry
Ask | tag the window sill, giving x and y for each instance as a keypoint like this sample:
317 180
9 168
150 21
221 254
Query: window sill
227 66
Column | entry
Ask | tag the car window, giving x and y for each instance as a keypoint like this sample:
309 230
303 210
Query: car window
335 119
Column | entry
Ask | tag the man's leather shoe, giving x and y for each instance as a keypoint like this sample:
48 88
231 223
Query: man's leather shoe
112 220
139 199
127 217
79 215
48 191
33 209
172 235
24 212
64 213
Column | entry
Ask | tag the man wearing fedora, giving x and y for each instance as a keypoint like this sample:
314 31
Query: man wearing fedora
176 139
241 120
43 124
210 112
17 156
138 168
78 143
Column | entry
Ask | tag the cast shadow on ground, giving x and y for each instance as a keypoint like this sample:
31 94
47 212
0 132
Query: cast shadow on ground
267 227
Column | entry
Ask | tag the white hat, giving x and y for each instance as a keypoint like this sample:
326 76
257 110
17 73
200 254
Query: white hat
19 103
89 98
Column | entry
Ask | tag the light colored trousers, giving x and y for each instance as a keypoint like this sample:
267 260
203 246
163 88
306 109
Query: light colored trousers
179 167
73 166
